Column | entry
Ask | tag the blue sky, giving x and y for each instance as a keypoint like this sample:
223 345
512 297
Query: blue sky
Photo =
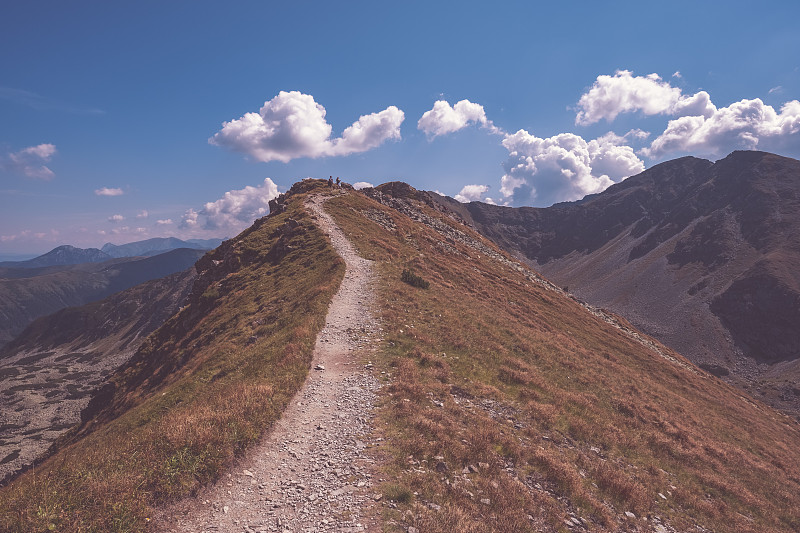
107 108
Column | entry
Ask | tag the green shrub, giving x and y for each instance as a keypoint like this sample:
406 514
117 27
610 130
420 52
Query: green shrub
414 280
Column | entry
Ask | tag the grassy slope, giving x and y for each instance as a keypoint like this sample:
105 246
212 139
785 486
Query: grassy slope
199 391
560 414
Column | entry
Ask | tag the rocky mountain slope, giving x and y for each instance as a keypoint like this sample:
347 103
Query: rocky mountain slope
506 405
29 293
700 255
50 370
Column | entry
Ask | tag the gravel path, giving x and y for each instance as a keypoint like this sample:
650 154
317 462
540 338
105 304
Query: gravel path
309 473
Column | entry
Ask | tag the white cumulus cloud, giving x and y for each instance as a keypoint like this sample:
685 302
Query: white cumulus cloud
564 167
142 214
31 161
105 191
625 93
189 219
370 131
293 125
746 124
116 218
471 193
444 118
362 185
234 211
164 222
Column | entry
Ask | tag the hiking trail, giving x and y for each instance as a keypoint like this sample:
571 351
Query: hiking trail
309 472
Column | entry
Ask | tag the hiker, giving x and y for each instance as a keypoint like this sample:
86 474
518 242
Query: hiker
330 182
338 181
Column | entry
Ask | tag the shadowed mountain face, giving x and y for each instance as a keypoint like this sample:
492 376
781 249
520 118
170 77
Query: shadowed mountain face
29 293
701 255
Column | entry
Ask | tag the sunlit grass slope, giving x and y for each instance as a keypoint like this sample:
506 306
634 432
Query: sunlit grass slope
509 407
199 391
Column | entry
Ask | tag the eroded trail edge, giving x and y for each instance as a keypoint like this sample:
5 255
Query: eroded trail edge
309 473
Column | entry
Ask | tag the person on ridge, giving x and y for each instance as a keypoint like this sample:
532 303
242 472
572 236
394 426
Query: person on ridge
330 182
338 181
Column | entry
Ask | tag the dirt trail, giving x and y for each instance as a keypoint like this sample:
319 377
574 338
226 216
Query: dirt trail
309 472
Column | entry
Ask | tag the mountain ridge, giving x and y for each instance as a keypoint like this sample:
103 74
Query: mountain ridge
506 405
157 246
698 254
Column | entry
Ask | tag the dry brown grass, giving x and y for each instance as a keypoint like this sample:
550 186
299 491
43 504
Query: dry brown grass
556 411
200 390
507 407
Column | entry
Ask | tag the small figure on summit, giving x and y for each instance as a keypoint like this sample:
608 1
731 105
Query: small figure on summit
330 182
338 181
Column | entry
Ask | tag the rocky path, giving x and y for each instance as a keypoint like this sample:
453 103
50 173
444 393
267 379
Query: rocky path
309 473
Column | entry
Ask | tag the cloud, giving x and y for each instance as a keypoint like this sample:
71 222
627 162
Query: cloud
471 193
31 161
362 185
677 74
369 132
40 103
443 118
564 167
625 93
637 134
293 125
164 222
28 235
116 218
105 191
778 89
189 219
746 124
142 214
235 210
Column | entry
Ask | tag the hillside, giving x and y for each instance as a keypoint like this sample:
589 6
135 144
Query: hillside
697 254
506 405
29 293
198 392
49 371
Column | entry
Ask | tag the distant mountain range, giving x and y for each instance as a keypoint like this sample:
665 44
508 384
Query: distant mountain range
701 255
62 255
157 246
70 255
28 293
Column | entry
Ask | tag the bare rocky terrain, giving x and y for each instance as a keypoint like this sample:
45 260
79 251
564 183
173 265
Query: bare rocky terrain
311 471
49 372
